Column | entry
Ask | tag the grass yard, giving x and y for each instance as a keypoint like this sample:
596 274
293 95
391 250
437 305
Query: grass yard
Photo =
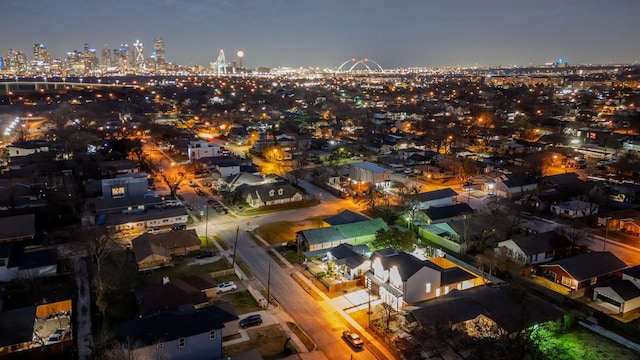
242 301
180 270
579 343
269 340
278 233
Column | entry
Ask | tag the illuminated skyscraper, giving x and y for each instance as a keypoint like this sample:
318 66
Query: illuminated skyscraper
106 56
138 55
158 48
121 56
40 54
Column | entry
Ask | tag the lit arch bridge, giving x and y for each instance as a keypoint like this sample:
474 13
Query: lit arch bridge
367 65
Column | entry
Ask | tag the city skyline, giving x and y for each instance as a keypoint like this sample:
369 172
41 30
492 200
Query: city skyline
312 34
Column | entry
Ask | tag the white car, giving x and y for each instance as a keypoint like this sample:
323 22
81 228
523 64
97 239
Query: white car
56 337
226 286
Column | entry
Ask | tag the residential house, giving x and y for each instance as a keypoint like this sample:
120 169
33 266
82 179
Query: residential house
345 217
447 213
561 180
272 194
196 290
17 228
580 271
118 167
153 251
496 310
357 233
225 166
620 295
16 262
538 248
243 178
17 329
350 263
625 220
140 220
514 185
194 334
201 149
26 148
435 198
400 278
366 172
574 209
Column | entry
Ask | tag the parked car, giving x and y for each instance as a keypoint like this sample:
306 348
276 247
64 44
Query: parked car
200 192
179 227
353 339
56 337
251 320
206 254
154 230
226 286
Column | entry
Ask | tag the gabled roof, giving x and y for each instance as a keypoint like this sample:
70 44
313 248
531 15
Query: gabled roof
170 326
434 195
263 192
406 264
509 312
179 292
16 326
345 255
589 265
243 178
624 288
343 231
371 167
543 242
454 275
633 271
345 217
19 227
446 212
143 247
519 179
561 179
32 259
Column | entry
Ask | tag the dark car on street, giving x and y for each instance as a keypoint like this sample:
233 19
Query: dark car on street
206 254
251 320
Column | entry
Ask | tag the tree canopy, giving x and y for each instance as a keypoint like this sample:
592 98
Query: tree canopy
400 240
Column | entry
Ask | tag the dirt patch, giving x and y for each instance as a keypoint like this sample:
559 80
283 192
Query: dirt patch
278 233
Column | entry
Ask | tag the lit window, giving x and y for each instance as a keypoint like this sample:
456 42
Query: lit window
428 288
181 342
212 334
117 192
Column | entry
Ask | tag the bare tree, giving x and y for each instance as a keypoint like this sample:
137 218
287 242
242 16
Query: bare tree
173 179
100 244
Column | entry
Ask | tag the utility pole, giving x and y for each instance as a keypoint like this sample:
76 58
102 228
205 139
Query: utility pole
269 284
206 225
235 247
606 233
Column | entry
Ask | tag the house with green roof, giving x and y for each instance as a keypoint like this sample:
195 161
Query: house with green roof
356 233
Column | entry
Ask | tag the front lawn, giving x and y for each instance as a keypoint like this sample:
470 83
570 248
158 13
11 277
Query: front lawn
269 340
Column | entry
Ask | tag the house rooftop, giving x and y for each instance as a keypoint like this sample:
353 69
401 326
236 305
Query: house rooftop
446 212
16 326
345 217
542 242
371 167
624 288
19 227
589 265
169 326
434 195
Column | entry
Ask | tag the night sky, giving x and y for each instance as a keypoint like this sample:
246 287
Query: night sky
325 33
